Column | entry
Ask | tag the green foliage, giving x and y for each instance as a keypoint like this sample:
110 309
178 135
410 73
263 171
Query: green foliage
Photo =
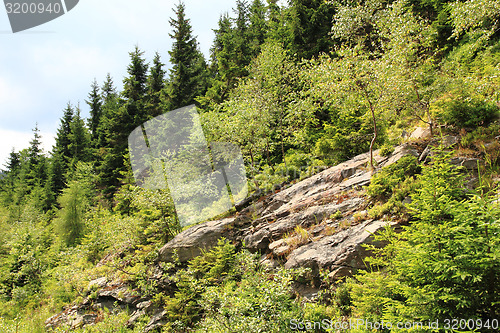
389 64
257 303
444 265
75 201
386 150
467 112
386 180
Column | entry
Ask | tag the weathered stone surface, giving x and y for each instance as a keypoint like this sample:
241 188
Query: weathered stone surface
190 243
265 232
103 295
467 163
341 253
324 205
420 133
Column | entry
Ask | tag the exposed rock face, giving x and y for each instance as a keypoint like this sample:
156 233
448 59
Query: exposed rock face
102 295
420 133
342 253
306 203
323 207
190 243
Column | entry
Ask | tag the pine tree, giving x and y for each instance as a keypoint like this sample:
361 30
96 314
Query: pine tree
189 75
95 104
135 87
257 31
311 23
79 140
155 86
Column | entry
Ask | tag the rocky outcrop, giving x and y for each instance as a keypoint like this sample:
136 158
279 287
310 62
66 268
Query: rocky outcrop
342 253
318 223
101 295
191 242
307 203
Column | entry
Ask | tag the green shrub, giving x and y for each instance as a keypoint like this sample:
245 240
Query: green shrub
444 264
386 150
385 181
467 112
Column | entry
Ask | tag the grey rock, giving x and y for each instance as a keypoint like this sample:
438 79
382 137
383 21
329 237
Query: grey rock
191 242
341 253
420 133
425 154
97 283
449 141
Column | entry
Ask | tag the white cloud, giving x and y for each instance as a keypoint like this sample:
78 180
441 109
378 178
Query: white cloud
19 140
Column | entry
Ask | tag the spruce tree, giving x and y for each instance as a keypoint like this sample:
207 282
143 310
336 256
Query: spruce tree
311 23
242 52
257 30
121 118
95 104
108 90
37 168
79 140
155 86
189 75
63 132
135 87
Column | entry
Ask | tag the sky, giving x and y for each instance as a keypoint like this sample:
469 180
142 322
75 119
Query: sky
44 68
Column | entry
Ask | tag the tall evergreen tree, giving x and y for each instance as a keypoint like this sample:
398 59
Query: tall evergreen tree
63 133
241 55
155 86
95 103
37 168
189 75
311 24
79 140
108 90
135 88
257 31
121 118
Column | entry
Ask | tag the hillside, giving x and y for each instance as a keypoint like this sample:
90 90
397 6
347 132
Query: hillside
369 136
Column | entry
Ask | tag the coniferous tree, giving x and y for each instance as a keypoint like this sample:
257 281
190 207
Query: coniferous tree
257 31
121 118
108 90
63 133
61 154
241 53
135 88
79 139
220 57
37 168
155 86
95 104
189 74
311 24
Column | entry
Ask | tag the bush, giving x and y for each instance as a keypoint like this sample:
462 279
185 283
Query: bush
385 181
444 264
467 112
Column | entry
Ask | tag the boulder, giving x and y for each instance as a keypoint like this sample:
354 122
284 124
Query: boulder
420 133
191 242
342 253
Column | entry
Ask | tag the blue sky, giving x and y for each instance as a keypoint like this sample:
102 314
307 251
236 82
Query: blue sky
44 68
